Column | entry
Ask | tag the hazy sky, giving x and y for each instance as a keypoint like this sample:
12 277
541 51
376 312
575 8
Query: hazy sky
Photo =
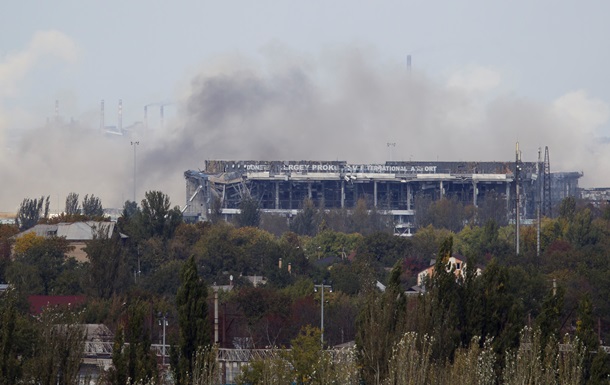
295 79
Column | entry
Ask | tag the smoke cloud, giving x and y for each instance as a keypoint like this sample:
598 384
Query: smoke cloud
340 105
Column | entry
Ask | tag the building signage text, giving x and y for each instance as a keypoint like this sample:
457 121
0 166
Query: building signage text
346 169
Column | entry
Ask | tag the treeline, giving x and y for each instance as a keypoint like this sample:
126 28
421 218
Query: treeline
143 269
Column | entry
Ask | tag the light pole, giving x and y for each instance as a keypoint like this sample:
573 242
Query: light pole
322 287
390 145
135 145
163 321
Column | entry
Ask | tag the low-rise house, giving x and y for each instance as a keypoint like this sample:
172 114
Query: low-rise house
76 233
457 265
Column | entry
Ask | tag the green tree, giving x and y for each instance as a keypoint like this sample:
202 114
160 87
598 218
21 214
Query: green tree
12 351
567 208
600 369
7 233
581 231
58 350
305 355
134 363
360 221
31 211
42 261
158 219
92 206
191 302
443 304
206 370
130 222
108 268
307 220
549 319
585 331
249 213
493 208
215 210
380 326
72 206
118 373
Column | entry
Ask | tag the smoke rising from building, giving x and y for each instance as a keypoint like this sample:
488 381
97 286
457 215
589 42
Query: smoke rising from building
341 105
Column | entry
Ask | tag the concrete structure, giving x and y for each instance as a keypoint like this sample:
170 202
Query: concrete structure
281 186
454 263
598 196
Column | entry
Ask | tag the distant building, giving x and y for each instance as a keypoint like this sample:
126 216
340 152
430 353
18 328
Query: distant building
281 186
457 265
596 196
77 234
97 356
38 303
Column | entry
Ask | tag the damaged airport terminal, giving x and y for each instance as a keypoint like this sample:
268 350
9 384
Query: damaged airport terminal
280 187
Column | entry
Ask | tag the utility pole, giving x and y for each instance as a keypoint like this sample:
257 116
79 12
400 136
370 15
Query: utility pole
135 145
538 200
163 321
322 287
518 167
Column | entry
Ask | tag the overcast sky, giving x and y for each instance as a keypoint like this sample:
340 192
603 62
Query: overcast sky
485 74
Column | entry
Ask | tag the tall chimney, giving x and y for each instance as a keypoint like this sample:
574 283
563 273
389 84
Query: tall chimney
161 110
102 123
120 123
146 117
56 111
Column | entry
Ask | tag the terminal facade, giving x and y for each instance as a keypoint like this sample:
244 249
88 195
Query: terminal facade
280 187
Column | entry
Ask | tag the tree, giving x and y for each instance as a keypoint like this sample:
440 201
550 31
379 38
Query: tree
306 221
493 208
249 213
38 260
157 217
31 211
59 350
11 357
380 326
92 206
130 221
215 210
360 220
567 208
191 301
581 231
134 363
443 300
108 272
585 331
305 355
72 204
6 242
549 319
600 369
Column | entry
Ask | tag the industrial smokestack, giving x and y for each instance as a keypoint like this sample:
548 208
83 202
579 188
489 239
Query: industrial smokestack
161 111
120 123
102 123
409 63
146 117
